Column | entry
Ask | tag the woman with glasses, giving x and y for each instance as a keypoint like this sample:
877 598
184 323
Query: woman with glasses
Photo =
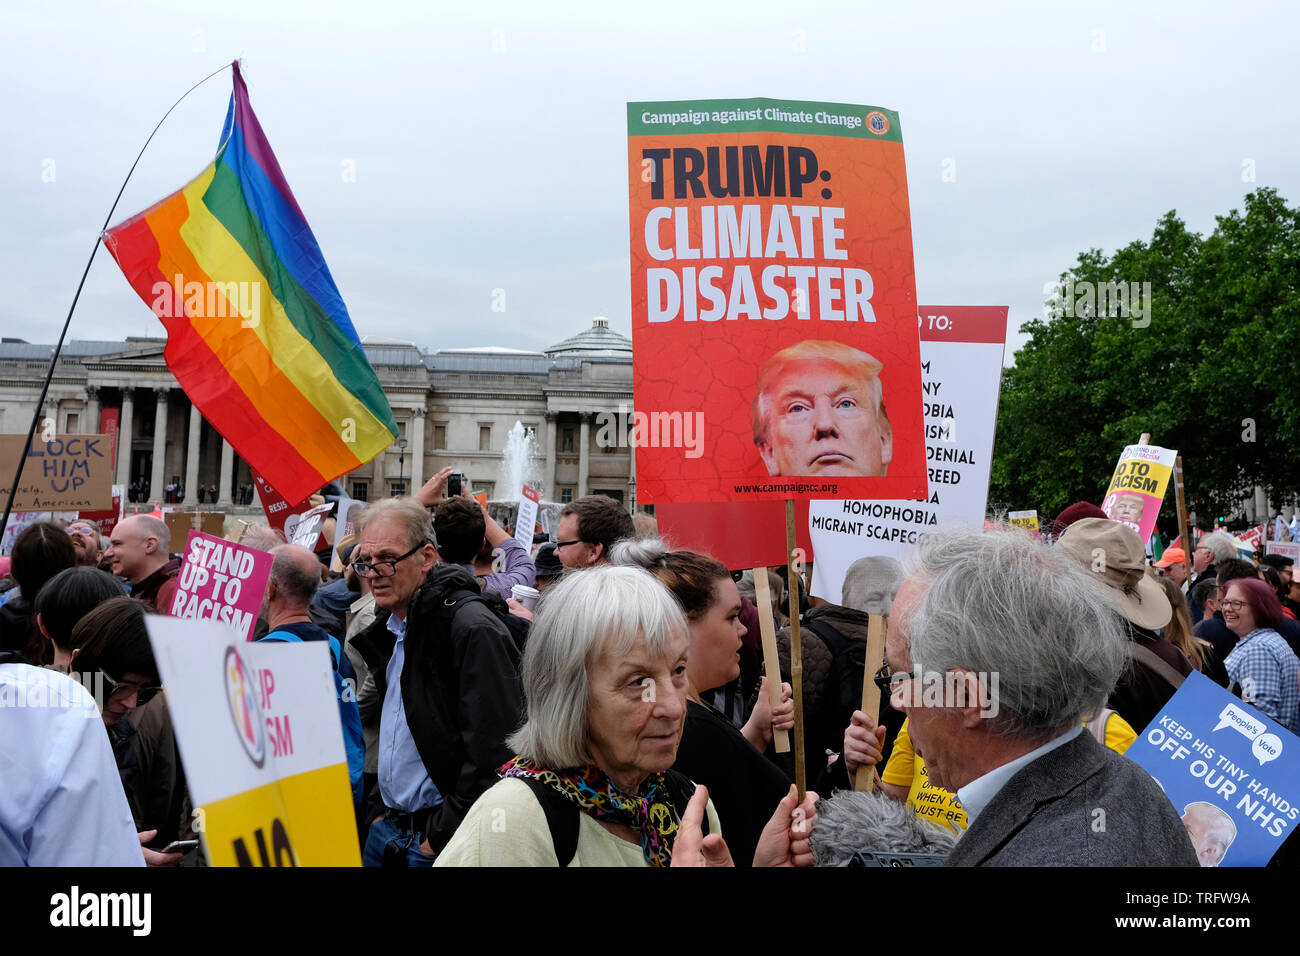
113 659
1262 663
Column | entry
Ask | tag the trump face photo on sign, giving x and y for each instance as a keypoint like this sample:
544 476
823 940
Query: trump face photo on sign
819 409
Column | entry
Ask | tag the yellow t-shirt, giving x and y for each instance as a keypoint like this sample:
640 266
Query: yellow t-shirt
906 769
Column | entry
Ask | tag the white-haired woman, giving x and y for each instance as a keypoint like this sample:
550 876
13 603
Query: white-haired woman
744 784
604 675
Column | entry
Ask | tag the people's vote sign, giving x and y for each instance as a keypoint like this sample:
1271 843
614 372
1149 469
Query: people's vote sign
961 367
221 581
1138 486
262 746
773 303
1232 773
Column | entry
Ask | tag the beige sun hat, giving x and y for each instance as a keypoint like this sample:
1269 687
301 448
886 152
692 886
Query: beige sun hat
1114 554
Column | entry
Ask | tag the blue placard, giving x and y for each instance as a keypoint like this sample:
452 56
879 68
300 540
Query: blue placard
1232 773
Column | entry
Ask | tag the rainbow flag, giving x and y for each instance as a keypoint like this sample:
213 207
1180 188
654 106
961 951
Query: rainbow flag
257 333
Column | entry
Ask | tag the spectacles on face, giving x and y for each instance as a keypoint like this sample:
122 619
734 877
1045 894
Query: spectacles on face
1233 604
383 569
143 692
565 544
87 532
889 681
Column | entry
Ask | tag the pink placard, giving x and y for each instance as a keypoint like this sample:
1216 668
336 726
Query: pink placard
221 581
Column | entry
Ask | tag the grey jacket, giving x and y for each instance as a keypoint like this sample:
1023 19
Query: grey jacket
1079 805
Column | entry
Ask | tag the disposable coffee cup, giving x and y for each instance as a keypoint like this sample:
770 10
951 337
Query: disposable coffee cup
525 595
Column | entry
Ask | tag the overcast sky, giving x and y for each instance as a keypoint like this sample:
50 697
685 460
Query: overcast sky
489 144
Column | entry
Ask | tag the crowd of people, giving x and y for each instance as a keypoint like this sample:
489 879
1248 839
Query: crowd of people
601 699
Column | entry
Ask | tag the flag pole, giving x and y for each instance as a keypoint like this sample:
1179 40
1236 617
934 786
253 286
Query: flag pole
58 348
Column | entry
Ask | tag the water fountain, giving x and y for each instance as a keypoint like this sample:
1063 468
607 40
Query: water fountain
519 464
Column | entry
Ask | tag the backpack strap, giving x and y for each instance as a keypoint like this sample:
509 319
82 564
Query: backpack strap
563 815
1158 664
561 818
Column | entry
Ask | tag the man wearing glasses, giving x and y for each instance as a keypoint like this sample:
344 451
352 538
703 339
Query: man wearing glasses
589 528
85 543
448 680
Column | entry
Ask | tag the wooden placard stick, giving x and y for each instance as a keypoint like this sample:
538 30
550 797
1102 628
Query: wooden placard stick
865 778
1188 545
796 648
771 666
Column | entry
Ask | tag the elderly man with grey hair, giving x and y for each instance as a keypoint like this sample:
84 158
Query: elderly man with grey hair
446 668
1211 550
1000 649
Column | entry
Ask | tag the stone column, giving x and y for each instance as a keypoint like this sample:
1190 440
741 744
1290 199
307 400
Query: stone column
417 449
223 476
125 426
192 459
91 425
584 439
550 493
159 477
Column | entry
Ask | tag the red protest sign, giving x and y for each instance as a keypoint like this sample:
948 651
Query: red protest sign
773 303
276 506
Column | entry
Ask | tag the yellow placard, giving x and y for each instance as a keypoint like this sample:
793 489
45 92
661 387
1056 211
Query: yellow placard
303 820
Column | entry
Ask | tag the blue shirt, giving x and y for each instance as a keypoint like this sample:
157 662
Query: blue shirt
404 783
1269 674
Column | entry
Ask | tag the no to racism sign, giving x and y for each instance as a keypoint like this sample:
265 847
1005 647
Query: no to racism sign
773 303
260 738
1138 486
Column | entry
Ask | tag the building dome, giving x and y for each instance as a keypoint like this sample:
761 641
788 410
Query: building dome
600 339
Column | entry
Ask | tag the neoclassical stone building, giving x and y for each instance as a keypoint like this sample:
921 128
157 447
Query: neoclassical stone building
453 408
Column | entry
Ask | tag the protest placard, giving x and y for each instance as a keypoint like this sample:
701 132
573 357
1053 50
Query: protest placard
346 521
526 520
262 745
773 297
65 473
1288 549
180 523
221 581
1138 486
1231 772
276 506
305 528
961 359
1024 519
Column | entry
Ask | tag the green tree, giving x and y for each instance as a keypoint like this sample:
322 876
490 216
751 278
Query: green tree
1211 374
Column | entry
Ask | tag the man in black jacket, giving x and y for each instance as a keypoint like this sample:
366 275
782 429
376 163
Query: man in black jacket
448 678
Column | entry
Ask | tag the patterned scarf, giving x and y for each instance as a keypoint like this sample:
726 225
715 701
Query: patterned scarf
650 813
